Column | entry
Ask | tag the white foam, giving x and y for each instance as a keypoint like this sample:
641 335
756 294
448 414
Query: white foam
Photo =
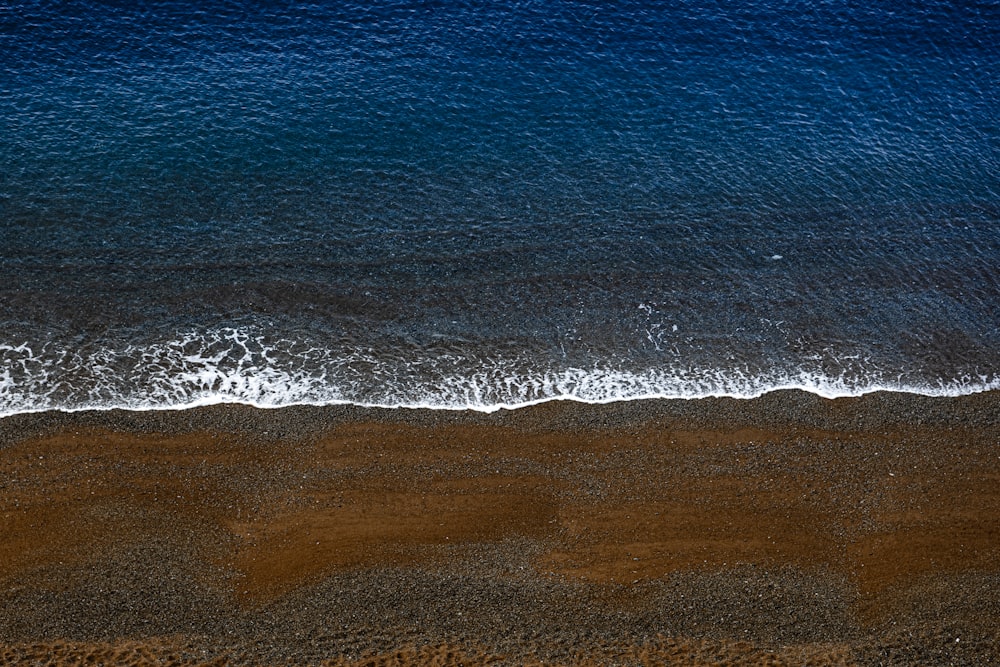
236 366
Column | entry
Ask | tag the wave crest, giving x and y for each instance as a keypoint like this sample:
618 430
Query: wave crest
231 365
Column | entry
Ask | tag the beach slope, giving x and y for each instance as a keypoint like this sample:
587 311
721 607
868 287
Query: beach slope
788 529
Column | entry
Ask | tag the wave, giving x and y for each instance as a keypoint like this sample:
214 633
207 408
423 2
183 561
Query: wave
231 365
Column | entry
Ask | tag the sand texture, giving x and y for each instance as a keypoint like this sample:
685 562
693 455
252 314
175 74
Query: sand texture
785 530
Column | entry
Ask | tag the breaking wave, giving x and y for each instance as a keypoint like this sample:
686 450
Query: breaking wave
238 366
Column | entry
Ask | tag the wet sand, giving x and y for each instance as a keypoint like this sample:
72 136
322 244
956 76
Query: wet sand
788 529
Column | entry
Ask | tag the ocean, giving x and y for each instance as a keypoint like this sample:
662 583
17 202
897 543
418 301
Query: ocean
469 205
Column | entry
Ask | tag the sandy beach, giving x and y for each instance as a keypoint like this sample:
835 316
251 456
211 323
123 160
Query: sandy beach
784 530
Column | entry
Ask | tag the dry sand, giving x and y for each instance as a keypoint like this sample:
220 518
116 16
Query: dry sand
785 530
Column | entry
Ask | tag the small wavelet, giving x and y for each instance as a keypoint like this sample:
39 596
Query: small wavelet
232 365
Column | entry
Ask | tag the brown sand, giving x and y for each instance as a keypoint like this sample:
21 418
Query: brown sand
784 530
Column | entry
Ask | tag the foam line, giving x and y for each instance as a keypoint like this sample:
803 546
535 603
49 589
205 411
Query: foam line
233 366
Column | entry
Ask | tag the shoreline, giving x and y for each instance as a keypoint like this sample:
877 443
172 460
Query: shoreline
818 386
845 531
831 392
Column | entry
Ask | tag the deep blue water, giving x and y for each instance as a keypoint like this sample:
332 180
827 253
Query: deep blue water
473 204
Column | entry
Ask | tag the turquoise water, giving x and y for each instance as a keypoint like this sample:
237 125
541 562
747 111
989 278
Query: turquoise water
465 205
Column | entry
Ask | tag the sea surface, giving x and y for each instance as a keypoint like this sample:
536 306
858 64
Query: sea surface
473 205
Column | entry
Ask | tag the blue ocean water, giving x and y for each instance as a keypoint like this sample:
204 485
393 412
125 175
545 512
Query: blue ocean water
474 205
